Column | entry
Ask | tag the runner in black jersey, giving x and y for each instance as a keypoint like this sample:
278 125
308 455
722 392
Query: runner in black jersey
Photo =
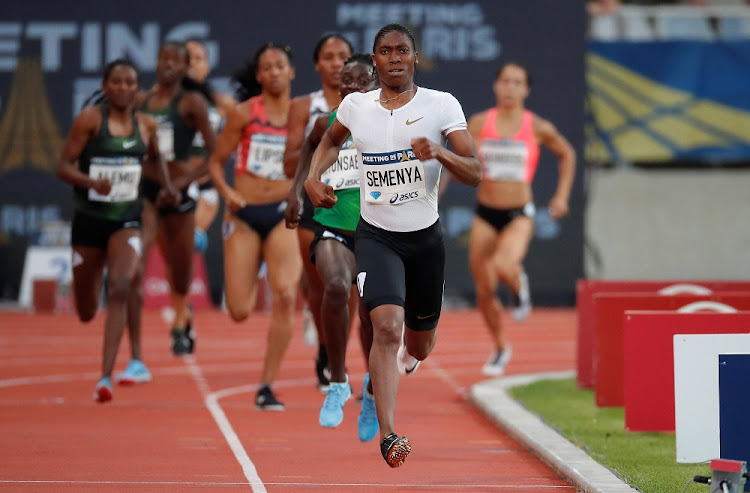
331 51
400 131
180 113
109 141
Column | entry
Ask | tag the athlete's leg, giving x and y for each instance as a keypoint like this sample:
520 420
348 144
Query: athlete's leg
336 266
512 245
177 240
312 286
242 258
122 267
88 265
135 310
482 246
387 324
281 252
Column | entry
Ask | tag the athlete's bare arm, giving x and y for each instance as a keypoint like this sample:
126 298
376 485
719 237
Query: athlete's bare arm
227 142
299 114
548 135
85 127
462 162
194 109
291 215
325 155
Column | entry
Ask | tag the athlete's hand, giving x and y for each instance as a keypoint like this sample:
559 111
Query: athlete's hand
102 186
558 207
424 148
168 197
291 215
321 195
233 199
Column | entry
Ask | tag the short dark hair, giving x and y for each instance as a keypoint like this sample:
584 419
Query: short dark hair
324 39
389 28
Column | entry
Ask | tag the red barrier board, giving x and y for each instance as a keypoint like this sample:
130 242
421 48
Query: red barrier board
156 293
649 360
586 289
609 316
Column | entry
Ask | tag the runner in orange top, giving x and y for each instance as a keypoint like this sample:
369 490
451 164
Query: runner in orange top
507 138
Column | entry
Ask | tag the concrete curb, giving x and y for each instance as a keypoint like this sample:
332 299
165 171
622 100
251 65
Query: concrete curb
572 463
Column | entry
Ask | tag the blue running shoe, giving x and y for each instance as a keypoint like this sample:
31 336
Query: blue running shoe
367 424
332 412
201 240
136 372
103 390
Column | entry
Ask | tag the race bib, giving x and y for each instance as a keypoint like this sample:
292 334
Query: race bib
504 159
393 177
124 173
266 156
165 136
344 173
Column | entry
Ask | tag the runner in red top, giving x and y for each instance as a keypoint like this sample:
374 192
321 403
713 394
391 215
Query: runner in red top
507 138
254 223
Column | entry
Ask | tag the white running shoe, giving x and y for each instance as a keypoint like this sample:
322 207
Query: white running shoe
497 362
406 363
522 300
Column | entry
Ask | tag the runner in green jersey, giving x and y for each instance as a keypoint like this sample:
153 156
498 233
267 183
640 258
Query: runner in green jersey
334 260
109 140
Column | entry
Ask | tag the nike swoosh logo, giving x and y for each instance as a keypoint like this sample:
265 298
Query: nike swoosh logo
423 317
409 122
128 145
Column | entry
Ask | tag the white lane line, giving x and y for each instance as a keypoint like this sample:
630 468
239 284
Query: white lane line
234 442
527 487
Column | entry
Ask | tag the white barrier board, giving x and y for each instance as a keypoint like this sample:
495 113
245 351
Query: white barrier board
44 263
696 391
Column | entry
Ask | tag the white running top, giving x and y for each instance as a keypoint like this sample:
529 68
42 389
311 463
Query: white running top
398 191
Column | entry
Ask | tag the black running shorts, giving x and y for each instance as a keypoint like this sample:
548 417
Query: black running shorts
93 231
405 269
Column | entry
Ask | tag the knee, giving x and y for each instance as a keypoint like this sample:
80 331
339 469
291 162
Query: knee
389 332
336 291
285 297
485 293
506 271
238 313
118 289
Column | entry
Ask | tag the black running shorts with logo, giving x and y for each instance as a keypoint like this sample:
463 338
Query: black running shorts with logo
150 191
405 269
93 231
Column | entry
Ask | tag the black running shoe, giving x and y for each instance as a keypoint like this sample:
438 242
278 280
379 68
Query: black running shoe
395 449
180 343
266 401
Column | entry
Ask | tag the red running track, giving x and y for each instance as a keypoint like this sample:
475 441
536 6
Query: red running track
195 427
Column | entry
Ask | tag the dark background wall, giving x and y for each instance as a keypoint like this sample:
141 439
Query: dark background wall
461 46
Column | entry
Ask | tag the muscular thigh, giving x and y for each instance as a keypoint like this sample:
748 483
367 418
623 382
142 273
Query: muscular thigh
513 241
482 246
282 254
242 256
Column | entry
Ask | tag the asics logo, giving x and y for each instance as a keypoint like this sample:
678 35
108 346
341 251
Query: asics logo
128 145
409 122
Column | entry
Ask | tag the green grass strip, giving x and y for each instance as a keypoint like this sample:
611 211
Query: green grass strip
644 460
